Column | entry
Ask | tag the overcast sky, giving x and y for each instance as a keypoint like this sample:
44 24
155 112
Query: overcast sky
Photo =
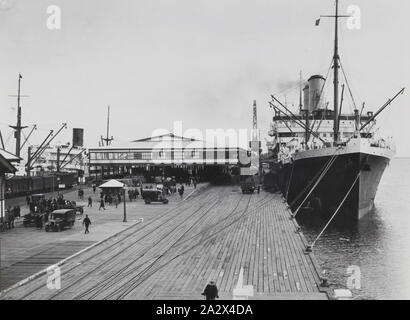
202 62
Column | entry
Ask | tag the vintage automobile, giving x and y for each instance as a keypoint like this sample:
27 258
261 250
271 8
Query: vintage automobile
150 193
73 205
36 198
60 219
248 184
31 219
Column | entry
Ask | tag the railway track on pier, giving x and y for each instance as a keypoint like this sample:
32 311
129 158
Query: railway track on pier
208 237
116 246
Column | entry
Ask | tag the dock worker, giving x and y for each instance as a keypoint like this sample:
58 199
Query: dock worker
101 204
39 221
181 190
16 211
11 218
211 291
90 202
94 187
86 223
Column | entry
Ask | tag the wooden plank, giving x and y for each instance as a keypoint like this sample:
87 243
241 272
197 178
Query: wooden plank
182 258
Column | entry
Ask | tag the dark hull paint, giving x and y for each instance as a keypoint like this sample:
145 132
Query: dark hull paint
295 181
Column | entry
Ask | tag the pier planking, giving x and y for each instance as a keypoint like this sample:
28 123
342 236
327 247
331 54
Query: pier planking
174 255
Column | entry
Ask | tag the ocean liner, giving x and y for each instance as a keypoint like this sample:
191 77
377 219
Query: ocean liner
326 161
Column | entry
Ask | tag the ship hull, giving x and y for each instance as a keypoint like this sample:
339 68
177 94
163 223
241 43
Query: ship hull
296 180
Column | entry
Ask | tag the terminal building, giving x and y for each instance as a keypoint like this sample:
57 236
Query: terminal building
7 161
165 155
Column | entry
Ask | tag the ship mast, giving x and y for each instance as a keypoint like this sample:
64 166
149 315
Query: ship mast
107 139
336 66
18 127
336 79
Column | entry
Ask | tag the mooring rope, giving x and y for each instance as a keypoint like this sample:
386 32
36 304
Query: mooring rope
327 167
290 180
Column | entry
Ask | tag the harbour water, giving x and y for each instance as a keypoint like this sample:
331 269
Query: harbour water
379 244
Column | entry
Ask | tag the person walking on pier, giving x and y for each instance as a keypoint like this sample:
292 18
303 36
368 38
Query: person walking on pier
10 218
101 204
90 202
86 223
181 190
211 291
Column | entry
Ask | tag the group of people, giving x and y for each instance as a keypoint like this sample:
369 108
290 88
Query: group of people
42 205
41 208
11 214
107 198
133 194
191 181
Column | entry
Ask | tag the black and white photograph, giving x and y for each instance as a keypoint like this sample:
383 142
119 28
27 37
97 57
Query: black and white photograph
202 156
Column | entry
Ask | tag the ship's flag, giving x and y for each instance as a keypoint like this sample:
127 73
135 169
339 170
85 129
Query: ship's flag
317 22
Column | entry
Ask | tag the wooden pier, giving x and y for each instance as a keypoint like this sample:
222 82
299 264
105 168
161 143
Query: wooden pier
211 236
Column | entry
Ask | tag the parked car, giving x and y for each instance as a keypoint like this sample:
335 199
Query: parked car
154 195
31 219
248 184
60 219
73 205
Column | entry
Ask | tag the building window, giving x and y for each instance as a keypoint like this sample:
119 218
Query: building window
122 156
146 156
191 154
233 154
220 154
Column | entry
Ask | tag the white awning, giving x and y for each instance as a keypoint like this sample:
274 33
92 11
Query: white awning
112 184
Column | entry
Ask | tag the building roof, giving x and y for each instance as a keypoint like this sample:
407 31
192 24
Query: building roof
6 166
167 141
112 184
9 156
166 137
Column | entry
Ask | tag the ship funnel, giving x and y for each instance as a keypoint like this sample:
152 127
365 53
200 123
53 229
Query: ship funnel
78 137
306 97
316 83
